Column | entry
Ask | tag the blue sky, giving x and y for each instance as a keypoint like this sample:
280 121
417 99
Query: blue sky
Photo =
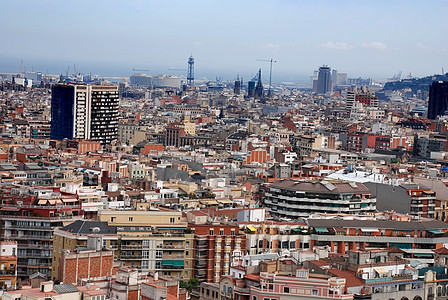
363 38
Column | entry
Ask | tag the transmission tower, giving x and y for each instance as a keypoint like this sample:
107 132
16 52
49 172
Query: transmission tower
190 75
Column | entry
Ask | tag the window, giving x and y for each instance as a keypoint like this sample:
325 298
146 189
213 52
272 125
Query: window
131 219
212 232
232 232
172 220
145 264
221 232
286 289
315 292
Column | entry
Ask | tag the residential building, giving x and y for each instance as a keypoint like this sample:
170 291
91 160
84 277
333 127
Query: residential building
298 199
414 199
146 240
8 264
301 285
362 95
215 247
275 237
344 235
32 226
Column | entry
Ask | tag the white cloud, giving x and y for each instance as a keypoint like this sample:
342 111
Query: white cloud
337 46
271 46
375 45
421 46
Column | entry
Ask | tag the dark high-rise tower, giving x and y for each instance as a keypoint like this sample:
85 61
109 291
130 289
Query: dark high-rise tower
190 75
237 89
80 111
259 86
438 99
324 80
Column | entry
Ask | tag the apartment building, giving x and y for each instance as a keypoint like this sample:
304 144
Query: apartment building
344 235
296 199
275 237
8 264
147 240
215 247
32 226
414 199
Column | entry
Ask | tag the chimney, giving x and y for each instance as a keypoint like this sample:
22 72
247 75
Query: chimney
156 276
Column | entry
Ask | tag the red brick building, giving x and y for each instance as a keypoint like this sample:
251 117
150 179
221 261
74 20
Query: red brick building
86 264
214 248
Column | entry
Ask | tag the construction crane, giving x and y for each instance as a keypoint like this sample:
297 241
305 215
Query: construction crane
20 69
74 67
270 74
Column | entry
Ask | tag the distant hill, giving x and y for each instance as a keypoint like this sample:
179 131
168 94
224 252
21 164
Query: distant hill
415 84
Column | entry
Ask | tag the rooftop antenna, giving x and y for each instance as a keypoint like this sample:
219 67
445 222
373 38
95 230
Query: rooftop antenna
270 74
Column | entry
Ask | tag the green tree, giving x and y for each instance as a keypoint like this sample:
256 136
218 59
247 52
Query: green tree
191 284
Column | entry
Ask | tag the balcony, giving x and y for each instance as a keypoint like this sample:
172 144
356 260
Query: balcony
377 239
124 247
31 237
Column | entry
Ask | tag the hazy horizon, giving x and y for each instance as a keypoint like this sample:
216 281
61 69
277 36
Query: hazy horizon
375 39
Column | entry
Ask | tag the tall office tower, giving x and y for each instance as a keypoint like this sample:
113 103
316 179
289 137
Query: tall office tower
259 87
438 99
334 79
251 88
324 80
87 112
237 89
190 75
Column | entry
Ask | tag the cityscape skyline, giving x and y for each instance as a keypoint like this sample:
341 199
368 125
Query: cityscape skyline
226 39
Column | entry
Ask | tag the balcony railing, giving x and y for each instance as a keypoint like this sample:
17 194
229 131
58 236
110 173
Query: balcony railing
378 239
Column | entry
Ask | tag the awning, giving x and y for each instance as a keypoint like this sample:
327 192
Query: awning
339 229
407 230
369 229
42 202
176 263
69 200
296 229
423 255
209 202
251 228
54 201
172 228
380 271
10 209
225 201
320 229
435 231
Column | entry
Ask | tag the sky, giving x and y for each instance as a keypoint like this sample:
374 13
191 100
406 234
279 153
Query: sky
364 38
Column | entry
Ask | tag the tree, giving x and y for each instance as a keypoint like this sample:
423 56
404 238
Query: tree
190 285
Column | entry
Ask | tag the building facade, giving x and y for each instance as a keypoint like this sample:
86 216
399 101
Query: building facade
84 112
438 99
294 199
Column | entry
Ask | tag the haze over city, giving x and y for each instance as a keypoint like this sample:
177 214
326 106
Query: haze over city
362 38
